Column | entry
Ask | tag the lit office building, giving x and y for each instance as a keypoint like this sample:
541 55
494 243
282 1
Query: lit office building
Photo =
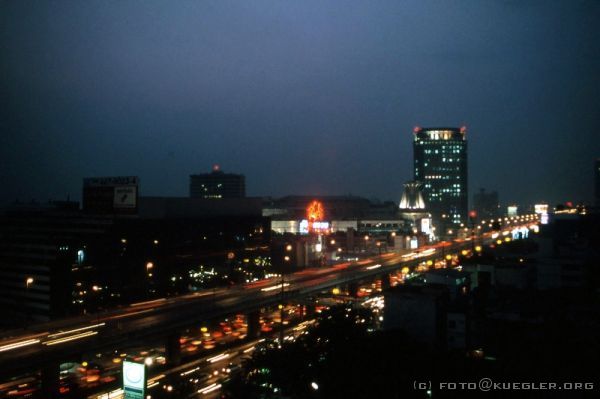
217 185
440 156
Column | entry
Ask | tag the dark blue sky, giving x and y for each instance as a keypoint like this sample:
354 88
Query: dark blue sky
300 96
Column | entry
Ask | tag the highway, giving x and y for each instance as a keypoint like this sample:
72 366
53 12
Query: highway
60 341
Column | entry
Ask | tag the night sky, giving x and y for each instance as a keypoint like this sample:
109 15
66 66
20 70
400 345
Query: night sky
303 97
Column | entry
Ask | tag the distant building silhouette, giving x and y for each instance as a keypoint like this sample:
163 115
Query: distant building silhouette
486 204
440 162
217 184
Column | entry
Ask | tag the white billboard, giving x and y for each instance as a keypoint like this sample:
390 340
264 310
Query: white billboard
125 197
134 379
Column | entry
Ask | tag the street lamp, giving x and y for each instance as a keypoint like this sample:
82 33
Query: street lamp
149 266
28 282
281 307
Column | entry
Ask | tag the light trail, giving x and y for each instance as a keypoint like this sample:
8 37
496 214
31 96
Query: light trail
209 389
75 330
274 287
218 357
70 338
19 344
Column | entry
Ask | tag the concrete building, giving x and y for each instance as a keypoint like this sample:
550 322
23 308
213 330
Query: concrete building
43 253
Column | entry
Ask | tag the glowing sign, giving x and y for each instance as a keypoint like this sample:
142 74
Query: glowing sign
541 208
518 233
315 214
315 211
512 210
134 380
426 225
303 227
414 243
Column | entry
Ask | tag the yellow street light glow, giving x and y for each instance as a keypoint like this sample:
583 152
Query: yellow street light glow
478 248
498 242
288 247
335 291
464 252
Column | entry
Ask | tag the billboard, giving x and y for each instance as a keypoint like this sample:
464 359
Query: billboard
426 225
125 197
110 195
134 380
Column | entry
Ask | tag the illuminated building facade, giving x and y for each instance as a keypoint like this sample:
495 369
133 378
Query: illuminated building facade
440 163
217 185
412 197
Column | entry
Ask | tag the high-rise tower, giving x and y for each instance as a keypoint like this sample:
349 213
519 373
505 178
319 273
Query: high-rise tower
440 156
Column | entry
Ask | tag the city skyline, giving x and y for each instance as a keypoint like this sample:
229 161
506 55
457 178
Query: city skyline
164 91
291 200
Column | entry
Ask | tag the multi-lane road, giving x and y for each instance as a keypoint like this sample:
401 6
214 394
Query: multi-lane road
62 341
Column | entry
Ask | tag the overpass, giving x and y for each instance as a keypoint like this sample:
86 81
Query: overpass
48 345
